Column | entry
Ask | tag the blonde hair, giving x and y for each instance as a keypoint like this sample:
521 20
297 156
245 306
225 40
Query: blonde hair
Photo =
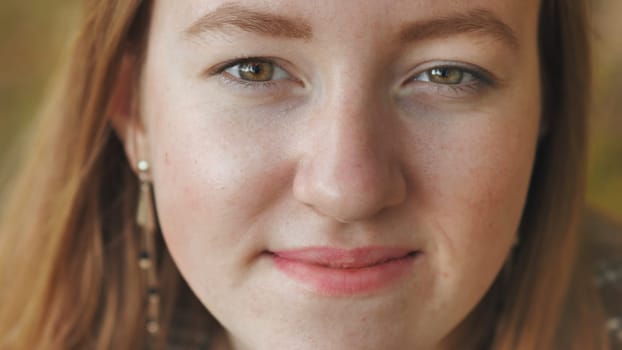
68 248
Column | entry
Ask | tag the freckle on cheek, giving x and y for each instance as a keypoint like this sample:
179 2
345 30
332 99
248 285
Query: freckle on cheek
187 190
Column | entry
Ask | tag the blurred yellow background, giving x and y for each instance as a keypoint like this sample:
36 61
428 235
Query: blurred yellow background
34 36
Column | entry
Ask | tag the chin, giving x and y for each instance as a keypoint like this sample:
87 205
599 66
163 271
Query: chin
362 335
345 342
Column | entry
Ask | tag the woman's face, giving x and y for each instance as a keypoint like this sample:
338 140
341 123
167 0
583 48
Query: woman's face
340 174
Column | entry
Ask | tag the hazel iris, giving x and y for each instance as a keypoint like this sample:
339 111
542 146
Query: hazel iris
446 75
256 71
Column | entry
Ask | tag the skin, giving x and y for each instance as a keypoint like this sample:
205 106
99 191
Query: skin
348 150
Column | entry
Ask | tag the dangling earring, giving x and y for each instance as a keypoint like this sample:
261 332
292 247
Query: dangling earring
145 218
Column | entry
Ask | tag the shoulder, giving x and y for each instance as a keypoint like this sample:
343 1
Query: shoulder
604 244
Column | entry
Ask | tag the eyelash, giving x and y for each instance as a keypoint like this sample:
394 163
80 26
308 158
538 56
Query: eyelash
480 78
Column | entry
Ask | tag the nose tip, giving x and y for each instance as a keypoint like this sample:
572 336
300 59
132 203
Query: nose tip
349 187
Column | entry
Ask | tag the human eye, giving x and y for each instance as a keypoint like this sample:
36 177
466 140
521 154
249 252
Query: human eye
254 72
453 80
446 76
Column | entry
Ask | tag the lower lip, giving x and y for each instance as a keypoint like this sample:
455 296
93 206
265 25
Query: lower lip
347 282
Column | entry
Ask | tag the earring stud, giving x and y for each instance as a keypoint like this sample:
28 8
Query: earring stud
143 166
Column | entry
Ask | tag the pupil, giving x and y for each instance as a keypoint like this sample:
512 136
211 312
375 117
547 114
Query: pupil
442 72
255 69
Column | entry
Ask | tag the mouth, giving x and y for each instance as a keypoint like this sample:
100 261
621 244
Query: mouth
338 272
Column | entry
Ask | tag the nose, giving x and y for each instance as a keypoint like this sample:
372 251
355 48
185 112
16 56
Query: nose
349 170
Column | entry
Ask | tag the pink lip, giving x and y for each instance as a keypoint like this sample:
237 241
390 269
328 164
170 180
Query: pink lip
339 272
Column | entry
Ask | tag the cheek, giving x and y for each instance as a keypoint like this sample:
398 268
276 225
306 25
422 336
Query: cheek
215 178
475 194
485 175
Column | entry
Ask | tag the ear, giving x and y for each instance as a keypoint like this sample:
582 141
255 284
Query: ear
124 113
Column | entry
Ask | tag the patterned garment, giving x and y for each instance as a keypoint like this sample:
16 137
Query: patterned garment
605 237
609 279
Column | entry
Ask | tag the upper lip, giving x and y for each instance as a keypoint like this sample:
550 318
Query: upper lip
345 258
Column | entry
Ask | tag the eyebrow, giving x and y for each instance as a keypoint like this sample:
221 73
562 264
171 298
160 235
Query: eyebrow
476 21
249 20
231 15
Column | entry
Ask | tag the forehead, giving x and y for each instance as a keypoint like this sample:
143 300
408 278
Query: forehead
355 18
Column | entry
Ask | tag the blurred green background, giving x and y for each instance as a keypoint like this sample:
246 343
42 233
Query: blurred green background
34 37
